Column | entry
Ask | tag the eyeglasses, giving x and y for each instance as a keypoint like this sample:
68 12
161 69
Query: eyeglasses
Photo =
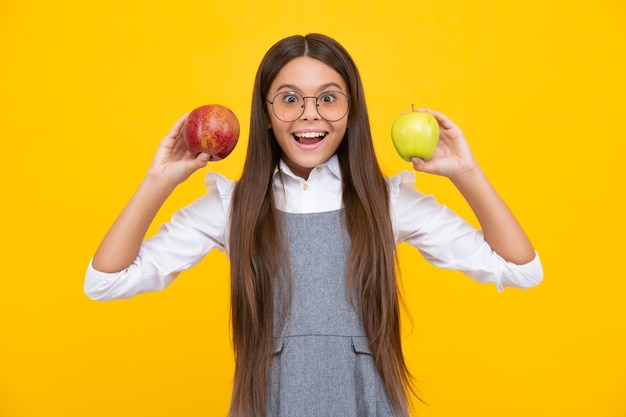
288 106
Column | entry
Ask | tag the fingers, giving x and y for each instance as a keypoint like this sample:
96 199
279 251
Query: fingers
442 119
420 165
200 161
178 126
204 157
173 139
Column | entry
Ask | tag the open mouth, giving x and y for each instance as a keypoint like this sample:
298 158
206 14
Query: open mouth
309 138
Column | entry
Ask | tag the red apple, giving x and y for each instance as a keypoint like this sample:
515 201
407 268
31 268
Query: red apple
415 134
213 129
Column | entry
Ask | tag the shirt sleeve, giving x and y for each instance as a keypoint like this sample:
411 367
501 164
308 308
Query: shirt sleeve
448 241
178 245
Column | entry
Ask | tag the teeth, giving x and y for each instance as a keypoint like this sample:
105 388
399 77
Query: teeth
309 134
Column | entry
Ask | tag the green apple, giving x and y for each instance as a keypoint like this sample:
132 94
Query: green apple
415 134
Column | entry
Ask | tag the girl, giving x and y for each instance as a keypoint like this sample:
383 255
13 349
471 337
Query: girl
312 227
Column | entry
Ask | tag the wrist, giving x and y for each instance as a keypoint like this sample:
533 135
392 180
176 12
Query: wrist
157 185
468 177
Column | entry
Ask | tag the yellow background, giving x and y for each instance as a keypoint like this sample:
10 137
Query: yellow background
89 88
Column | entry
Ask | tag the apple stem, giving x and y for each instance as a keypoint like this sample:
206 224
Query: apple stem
412 107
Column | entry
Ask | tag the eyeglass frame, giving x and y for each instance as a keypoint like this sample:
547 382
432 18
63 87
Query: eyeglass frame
303 106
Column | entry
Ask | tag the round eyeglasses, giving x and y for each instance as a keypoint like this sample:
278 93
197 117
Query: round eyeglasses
288 106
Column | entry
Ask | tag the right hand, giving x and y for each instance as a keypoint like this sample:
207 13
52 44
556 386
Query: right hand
173 163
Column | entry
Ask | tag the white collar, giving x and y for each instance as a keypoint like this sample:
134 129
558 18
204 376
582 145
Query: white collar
332 164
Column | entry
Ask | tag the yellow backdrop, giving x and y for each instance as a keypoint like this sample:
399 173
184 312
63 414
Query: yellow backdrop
89 88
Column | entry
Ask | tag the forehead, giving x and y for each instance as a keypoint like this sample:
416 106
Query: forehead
307 74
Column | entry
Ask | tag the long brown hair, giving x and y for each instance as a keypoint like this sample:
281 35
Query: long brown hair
257 254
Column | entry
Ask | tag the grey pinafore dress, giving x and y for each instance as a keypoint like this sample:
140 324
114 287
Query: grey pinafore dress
322 363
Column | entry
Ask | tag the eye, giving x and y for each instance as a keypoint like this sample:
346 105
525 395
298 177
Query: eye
290 98
327 98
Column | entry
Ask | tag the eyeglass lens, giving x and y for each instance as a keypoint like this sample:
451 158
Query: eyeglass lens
288 106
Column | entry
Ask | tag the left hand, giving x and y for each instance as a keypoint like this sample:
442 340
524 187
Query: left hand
452 156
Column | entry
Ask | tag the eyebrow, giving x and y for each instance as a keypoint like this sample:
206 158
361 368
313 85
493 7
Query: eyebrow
323 87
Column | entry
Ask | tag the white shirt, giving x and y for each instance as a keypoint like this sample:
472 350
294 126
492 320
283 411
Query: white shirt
441 236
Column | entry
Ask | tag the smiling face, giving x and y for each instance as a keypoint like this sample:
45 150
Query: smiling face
310 140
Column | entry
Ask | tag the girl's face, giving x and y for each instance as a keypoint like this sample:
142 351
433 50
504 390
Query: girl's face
309 140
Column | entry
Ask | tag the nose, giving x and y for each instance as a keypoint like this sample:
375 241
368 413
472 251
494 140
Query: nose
310 111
